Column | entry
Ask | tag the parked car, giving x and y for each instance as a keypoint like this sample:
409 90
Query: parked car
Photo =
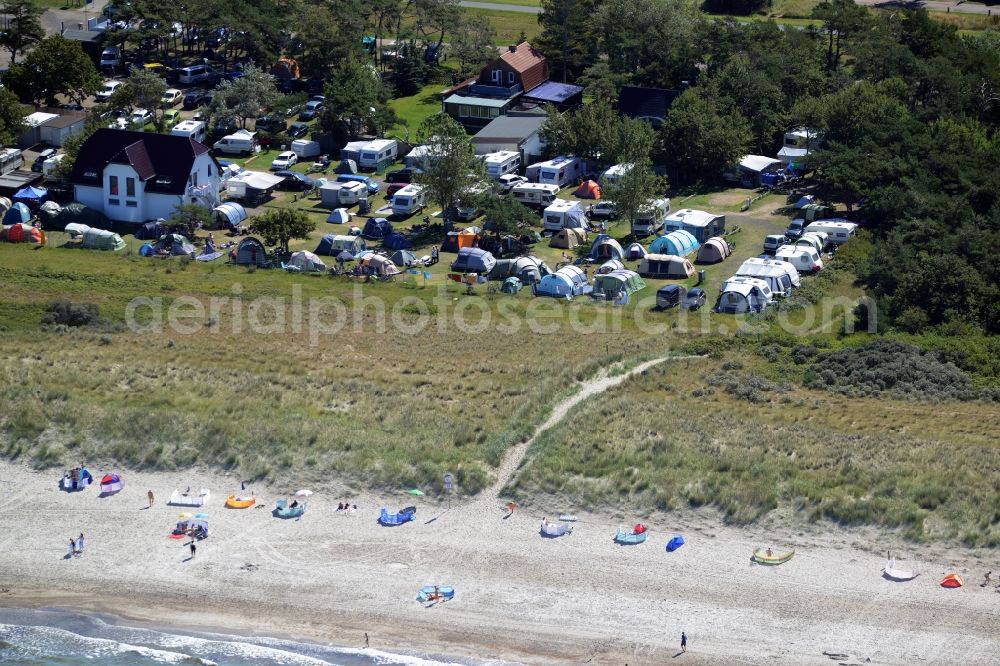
795 229
313 107
392 188
602 210
461 212
106 90
298 130
196 98
171 97
111 57
171 117
36 166
284 160
694 299
222 126
141 118
509 181
271 124
233 75
772 243
293 180
317 98
402 175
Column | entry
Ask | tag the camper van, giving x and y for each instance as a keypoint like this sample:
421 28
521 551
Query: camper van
700 224
805 259
560 171
409 200
535 195
378 154
563 214
336 195
613 173
501 163
814 239
359 178
192 129
780 276
651 217
840 231
11 159
242 142
743 294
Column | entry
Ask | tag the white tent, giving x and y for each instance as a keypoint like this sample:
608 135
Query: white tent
339 216
306 262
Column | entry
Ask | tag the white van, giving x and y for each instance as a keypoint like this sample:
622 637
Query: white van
192 129
501 163
563 214
559 171
49 165
840 231
409 200
814 239
378 154
650 218
107 89
242 142
805 259
535 195
336 195
196 74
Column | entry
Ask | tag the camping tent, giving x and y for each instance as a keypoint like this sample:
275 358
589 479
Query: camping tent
339 216
18 213
101 239
346 166
404 258
377 228
617 283
23 233
668 266
568 238
56 217
511 285
473 260
952 580
331 245
396 241
635 252
111 483
680 242
377 264
250 251
714 250
588 189
608 266
173 244
675 543
150 231
230 214
568 281
456 240
605 247
74 230
525 269
32 196
307 262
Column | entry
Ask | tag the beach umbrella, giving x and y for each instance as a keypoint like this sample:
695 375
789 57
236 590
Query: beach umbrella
416 492
303 493
184 515
201 516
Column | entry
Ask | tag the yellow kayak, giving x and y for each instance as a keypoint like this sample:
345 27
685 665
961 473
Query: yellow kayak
761 557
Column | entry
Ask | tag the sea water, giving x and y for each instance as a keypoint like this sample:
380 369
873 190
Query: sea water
67 638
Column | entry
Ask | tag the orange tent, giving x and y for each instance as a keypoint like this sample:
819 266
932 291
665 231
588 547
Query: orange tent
467 239
24 233
588 190
952 580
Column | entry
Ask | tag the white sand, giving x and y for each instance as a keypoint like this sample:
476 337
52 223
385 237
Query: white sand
577 599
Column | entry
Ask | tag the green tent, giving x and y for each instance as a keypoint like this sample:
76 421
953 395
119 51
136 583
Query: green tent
618 283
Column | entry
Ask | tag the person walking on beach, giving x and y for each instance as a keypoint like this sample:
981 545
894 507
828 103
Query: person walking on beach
149 496
684 642
986 583
72 548
366 639
194 549
79 545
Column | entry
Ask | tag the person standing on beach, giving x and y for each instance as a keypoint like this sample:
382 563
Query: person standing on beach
149 495
79 545
366 639
194 549
684 642
72 548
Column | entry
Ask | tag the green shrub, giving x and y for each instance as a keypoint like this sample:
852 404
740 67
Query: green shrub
66 313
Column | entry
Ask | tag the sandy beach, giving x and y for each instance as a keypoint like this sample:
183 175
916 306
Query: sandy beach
520 598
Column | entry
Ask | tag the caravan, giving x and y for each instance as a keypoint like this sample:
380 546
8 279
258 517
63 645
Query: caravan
191 129
613 173
409 200
698 223
336 195
535 195
560 171
502 163
805 259
651 217
378 154
780 276
840 231
743 294
563 214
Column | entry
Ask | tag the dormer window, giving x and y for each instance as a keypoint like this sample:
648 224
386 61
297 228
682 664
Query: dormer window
90 173
163 181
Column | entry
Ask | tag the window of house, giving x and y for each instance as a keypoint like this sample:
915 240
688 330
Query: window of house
130 187
130 204
114 202
510 77
113 185
497 76
194 179
209 170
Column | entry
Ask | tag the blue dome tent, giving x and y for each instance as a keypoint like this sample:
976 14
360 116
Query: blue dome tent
680 243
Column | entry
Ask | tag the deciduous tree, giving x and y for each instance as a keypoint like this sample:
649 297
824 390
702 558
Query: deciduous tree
24 26
455 168
56 66
280 225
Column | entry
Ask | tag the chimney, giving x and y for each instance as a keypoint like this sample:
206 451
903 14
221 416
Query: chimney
513 48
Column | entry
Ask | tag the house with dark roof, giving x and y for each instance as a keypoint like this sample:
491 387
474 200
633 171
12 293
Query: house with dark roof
505 84
141 176
516 132
649 104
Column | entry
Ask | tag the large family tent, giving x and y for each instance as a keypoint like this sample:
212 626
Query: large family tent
568 239
635 252
32 196
608 266
377 228
741 295
680 243
331 245
714 250
56 217
101 239
150 230
605 247
456 240
665 266
473 260
526 269
17 214
780 276
404 258
396 241
377 264
306 262
23 233
588 189
230 214
617 283
339 216
111 484
566 282
250 252
175 245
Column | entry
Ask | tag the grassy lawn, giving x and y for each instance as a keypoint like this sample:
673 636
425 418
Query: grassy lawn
509 26
413 110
